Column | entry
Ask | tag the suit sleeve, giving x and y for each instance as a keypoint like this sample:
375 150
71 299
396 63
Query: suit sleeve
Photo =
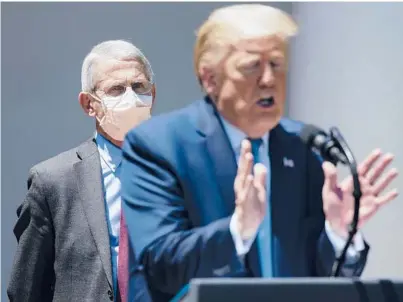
171 249
323 252
30 276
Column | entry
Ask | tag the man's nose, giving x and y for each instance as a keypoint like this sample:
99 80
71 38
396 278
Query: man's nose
267 78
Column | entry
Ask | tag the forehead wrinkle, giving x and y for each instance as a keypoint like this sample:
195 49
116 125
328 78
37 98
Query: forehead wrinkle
112 76
125 64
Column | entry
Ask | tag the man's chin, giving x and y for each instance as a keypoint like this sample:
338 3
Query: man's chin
258 130
260 127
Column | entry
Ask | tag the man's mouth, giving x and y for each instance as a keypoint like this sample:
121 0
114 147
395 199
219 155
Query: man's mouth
266 102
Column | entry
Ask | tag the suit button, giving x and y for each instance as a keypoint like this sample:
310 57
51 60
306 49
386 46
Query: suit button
110 295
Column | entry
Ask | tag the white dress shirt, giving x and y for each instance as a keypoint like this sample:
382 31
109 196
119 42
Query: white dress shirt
111 158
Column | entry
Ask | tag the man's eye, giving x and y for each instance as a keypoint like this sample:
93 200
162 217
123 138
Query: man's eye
276 65
251 66
116 90
142 87
137 85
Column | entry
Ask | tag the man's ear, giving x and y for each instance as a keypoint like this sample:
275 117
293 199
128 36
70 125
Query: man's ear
85 100
208 79
153 93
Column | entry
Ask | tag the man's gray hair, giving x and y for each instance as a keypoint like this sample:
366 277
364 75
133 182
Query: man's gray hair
115 49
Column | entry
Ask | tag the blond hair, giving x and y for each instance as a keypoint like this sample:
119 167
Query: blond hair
229 24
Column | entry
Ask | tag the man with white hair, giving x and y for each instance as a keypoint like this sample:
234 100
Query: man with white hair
226 188
69 227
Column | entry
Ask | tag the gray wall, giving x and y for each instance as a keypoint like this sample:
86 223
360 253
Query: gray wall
347 70
43 48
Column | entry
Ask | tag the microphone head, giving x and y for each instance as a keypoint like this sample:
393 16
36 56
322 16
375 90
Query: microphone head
309 132
322 144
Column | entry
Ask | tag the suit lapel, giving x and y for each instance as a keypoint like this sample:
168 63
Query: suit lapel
89 185
220 153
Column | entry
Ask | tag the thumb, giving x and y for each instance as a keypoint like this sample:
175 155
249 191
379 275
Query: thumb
330 172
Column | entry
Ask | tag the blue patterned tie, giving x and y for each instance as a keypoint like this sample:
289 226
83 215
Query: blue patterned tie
264 236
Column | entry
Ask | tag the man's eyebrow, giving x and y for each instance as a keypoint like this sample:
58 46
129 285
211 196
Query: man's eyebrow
113 82
116 82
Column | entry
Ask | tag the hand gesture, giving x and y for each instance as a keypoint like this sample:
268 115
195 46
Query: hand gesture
338 202
250 193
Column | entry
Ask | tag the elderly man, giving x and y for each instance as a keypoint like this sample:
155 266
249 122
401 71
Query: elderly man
214 192
69 224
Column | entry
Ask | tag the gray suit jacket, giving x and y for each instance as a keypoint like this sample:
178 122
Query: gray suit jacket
63 251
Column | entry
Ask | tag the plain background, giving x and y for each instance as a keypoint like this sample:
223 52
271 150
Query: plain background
345 70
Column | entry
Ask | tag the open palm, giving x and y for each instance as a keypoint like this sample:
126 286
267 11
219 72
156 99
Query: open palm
338 201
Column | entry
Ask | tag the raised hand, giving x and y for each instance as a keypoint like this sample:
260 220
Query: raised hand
250 193
338 202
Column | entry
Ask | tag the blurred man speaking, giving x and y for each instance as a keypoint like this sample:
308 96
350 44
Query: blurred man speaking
72 240
226 187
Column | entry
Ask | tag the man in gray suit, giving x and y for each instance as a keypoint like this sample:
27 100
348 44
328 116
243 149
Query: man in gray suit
69 225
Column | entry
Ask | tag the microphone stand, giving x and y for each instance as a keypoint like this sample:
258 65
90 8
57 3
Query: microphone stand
352 164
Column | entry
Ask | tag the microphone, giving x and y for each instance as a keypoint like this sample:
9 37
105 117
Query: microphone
324 144
334 148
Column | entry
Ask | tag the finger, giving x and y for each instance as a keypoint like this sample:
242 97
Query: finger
347 184
330 172
366 187
249 163
387 197
246 147
365 214
368 206
248 158
244 165
378 170
386 181
245 191
247 170
364 167
260 173
260 178
367 210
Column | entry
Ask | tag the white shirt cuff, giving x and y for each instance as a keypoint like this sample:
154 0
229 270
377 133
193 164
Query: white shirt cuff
242 246
353 251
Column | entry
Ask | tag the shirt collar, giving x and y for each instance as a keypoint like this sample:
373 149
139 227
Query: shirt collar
111 154
236 136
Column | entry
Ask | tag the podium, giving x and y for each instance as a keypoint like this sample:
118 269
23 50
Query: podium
291 290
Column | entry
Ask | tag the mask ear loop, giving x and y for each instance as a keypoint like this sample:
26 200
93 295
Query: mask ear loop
109 115
103 120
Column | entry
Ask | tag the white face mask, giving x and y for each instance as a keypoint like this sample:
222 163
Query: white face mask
123 112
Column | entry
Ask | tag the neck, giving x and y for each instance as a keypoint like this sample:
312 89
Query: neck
116 143
104 134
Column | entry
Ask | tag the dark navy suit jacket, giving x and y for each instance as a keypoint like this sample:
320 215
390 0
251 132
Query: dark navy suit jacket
177 188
